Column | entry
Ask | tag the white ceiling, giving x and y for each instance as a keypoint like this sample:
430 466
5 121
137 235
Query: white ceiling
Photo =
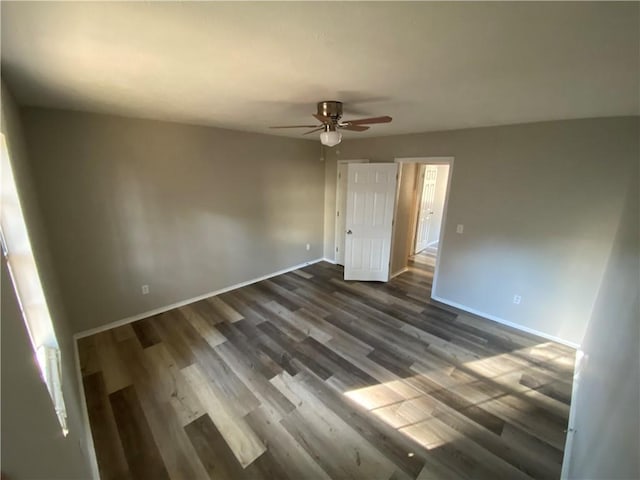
245 66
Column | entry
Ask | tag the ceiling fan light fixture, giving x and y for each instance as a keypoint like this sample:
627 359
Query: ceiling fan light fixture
330 138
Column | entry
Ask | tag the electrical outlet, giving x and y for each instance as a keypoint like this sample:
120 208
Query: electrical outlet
460 228
517 299
145 289
308 246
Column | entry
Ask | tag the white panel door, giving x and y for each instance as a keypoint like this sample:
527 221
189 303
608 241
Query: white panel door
425 212
371 194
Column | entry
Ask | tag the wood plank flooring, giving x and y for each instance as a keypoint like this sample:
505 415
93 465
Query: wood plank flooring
305 376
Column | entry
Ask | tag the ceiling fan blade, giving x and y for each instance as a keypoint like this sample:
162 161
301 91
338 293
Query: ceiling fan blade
322 118
355 128
296 126
384 119
316 130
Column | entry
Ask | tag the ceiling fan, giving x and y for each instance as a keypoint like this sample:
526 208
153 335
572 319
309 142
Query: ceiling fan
330 114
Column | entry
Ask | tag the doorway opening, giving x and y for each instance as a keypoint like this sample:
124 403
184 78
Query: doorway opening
421 205
431 189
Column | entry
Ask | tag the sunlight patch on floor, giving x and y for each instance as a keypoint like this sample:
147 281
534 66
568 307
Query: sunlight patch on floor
548 352
411 405
411 416
431 433
375 396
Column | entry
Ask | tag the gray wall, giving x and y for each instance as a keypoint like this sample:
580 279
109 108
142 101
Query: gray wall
32 443
607 414
540 204
330 179
185 209
33 446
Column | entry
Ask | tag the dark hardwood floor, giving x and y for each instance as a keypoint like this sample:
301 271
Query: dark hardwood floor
305 376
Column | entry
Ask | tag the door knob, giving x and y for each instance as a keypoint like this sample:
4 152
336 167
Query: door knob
349 232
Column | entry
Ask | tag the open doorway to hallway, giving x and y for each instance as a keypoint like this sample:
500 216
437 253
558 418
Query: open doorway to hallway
430 193
421 202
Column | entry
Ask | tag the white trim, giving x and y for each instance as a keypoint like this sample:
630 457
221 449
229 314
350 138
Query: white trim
91 452
85 413
443 229
400 272
431 160
418 190
357 160
157 311
328 261
396 201
504 322
443 223
335 209
579 365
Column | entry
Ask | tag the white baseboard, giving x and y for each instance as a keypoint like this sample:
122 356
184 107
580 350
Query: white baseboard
328 261
88 437
166 308
399 272
505 322
85 414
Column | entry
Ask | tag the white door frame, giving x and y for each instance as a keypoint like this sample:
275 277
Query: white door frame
443 228
339 235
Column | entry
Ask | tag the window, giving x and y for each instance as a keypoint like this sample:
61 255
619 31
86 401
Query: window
16 248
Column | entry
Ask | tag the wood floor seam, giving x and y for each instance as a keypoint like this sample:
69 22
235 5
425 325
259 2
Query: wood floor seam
307 376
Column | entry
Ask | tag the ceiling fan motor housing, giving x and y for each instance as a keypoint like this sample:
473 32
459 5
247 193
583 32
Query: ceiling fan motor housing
331 109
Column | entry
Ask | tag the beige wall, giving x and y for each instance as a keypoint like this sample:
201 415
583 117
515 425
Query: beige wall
32 443
607 402
404 220
539 203
184 209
